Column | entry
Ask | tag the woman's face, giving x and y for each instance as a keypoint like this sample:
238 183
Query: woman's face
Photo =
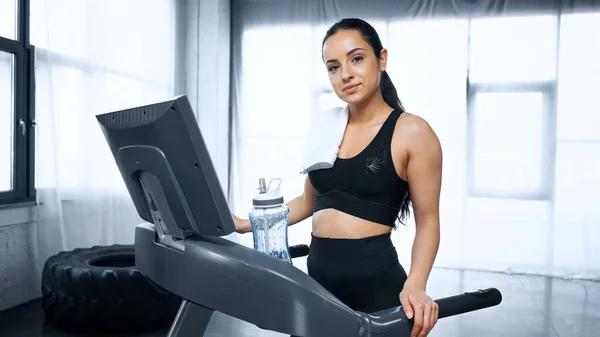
354 71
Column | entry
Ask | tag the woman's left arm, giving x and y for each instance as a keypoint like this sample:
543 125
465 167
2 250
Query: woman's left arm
424 172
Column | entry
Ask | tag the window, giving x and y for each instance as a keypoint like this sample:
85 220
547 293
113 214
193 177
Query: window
270 111
79 74
94 68
509 140
577 179
579 78
427 63
8 19
16 108
513 49
6 120
511 99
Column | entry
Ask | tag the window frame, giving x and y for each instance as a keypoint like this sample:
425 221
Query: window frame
547 88
550 89
23 179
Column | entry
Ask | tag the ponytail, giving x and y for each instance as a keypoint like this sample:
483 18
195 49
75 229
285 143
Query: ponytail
389 93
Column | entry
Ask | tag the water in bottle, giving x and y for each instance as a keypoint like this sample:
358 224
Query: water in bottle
269 220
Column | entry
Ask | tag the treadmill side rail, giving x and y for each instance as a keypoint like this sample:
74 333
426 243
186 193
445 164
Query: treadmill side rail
246 284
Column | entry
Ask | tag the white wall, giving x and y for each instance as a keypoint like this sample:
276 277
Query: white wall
18 280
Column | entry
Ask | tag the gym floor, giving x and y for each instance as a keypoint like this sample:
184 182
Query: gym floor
531 307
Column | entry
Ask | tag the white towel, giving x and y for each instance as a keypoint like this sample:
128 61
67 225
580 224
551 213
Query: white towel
324 139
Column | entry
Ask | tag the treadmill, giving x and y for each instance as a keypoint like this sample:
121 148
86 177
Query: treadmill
167 169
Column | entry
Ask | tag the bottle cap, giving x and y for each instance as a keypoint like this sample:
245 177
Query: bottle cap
268 196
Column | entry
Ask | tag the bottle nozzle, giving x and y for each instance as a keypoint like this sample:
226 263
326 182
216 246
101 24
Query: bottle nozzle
269 195
262 186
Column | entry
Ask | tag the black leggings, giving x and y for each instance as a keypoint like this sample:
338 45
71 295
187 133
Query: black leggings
365 273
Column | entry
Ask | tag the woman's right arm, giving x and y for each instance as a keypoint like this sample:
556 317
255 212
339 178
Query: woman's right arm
300 207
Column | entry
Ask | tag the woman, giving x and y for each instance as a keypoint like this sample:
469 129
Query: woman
387 159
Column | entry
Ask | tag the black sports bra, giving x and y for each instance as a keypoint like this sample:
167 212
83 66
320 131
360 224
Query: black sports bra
366 185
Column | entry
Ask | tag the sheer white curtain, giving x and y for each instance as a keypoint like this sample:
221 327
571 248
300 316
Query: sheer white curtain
510 98
577 168
6 120
92 57
273 114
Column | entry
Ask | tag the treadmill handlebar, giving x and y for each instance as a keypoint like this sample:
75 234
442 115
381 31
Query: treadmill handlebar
393 321
469 301
299 251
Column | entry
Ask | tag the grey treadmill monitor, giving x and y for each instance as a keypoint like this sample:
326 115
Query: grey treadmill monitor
168 172
167 168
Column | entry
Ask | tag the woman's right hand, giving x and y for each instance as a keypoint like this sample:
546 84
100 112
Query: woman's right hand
242 225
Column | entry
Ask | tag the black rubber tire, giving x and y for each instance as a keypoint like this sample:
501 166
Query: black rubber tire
99 289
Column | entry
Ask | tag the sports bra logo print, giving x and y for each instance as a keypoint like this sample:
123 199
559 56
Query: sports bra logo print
375 163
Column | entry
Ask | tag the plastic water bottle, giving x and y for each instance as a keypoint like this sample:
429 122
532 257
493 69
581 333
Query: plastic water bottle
269 220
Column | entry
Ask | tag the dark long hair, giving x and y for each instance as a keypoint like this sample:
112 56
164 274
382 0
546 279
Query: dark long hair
388 90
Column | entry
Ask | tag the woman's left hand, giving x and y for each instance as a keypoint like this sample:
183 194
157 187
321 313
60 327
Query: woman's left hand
418 305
